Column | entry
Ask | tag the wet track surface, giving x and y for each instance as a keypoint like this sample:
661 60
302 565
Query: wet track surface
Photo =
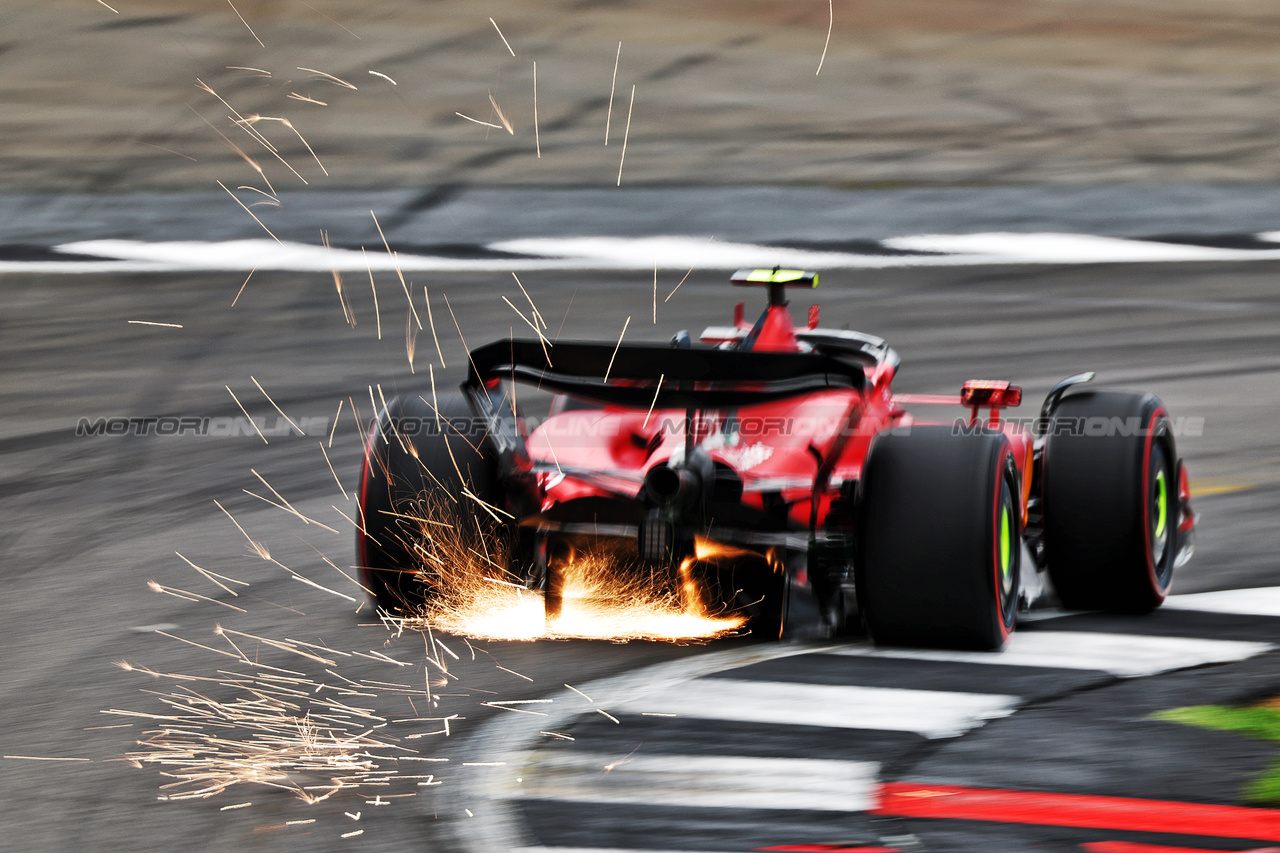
92 519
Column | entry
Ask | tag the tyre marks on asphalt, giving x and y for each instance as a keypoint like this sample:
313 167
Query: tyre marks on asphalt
792 749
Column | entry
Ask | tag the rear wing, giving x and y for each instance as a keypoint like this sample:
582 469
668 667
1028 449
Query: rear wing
641 375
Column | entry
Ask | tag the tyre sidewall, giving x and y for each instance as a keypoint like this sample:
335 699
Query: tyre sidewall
1097 492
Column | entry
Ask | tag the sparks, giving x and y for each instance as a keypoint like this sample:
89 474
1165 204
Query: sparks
337 81
243 286
612 89
831 22
335 424
501 36
656 391
251 213
431 321
616 348
246 415
277 408
374 287
331 20
506 123
677 286
395 261
478 121
602 598
246 23
305 99
626 134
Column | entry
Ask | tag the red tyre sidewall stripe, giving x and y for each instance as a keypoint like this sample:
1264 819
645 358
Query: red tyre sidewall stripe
995 538
362 538
1152 579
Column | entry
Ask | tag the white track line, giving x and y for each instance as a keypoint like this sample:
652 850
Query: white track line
932 713
603 850
1264 601
1057 248
702 781
497 826
1123 655
631 253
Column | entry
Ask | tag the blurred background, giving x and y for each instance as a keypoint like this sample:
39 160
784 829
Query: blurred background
912 93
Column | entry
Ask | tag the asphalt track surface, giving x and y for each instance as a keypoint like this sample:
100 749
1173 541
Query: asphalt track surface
92 519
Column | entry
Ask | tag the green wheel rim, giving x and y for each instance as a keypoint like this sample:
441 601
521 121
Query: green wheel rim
1006 550
1162 503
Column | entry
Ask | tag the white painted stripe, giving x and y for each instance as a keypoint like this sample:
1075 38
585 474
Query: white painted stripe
1262 601
931 713
1123 655
1051 248
671 253
604 850
623 253
721 781
509 736
677 252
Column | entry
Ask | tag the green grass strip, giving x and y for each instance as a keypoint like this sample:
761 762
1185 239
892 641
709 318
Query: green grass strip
1257 722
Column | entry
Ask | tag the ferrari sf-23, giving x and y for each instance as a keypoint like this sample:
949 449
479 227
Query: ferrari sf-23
772 469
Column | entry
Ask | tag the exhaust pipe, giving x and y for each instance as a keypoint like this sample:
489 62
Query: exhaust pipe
673 487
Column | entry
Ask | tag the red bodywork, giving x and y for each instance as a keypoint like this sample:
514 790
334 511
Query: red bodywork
804 448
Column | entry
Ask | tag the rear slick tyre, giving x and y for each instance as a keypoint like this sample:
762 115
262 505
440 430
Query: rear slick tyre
939 546
1110 502
409 474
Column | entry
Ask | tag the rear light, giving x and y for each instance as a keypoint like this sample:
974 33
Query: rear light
990 392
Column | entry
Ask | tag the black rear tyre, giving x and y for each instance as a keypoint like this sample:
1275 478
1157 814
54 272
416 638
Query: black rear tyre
1110 491
939 539
409 474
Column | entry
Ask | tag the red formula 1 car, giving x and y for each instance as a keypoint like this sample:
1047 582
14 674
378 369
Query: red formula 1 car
773 469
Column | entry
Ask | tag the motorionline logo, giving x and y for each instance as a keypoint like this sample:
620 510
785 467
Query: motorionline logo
220 427
1093 427
562 428
563 431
